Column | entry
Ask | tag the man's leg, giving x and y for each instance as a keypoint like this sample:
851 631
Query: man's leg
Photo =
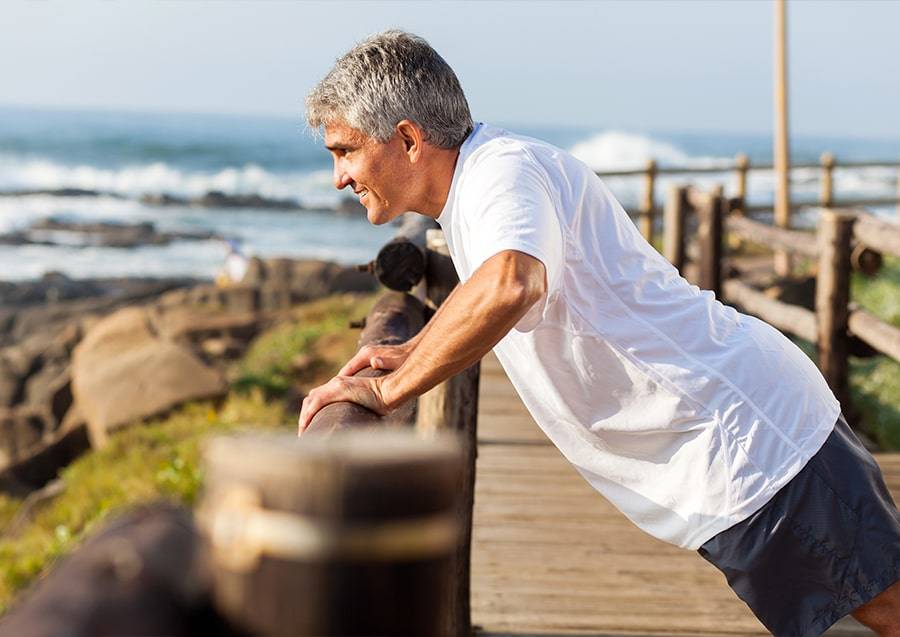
882 613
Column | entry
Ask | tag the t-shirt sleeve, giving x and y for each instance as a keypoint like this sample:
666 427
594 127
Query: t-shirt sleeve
511 208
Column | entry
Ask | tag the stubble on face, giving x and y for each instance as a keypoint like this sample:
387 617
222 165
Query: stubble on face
369 167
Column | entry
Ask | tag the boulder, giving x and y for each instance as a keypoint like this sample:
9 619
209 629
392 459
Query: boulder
33 448
124 371
51 388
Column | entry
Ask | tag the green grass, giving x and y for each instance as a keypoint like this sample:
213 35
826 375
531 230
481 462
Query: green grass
875 382
268 363
160 459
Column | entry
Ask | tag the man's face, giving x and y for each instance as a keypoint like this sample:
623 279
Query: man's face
376 172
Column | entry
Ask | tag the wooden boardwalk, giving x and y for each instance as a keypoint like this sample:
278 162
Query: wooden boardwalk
552 557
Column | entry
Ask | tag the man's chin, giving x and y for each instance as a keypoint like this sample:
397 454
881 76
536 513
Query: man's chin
379 217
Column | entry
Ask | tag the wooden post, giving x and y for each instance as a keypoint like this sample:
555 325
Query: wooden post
832 299
742 166
352 534
709 236
826 197
453 405
400 264
673 225
782 151
647 205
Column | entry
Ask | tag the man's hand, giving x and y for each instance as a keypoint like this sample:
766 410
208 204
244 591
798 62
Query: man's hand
386 357
362 391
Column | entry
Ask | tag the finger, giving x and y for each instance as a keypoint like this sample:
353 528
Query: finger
358 362
300 427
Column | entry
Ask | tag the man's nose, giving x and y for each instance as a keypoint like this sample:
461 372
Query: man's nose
340 177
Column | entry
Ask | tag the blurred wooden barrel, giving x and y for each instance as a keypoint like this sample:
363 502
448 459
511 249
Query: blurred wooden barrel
350 534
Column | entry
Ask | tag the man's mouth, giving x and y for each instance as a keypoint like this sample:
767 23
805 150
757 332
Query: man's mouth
361 193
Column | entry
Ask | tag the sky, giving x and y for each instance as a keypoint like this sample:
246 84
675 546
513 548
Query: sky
688 66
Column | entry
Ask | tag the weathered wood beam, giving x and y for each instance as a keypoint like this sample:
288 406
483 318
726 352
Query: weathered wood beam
877 234
790 240
882 336
709 238
453 406
395 319
787 318
674 215
832 299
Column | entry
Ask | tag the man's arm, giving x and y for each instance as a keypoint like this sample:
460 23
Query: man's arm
390 357
469 323
473 319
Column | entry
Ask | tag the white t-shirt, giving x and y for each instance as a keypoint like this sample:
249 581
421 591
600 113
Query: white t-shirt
686 414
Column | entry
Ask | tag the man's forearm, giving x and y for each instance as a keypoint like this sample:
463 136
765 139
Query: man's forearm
415 340
473 319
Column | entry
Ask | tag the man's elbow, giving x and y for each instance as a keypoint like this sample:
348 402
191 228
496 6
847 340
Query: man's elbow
526 281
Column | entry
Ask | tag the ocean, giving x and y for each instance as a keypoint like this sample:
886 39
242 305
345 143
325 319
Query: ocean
126 156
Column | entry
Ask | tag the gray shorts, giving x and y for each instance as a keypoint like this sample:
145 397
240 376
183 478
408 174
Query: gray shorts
827 543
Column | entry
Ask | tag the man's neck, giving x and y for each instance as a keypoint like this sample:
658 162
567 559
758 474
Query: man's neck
442 166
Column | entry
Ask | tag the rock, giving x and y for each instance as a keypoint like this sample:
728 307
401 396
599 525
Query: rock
51 387
33 448
53 231
221 348
122 372
218 199
190 325
10 385
163 199
23 429
61 192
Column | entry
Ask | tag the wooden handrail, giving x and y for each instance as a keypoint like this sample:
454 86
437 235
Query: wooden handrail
880 335
792 319
731 167
795 241
879 235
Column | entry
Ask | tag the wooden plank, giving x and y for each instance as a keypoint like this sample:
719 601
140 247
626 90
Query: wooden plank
791 240
786 317
880 335
878 234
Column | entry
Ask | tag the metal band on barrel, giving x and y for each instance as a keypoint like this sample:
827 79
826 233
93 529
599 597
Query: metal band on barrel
241 532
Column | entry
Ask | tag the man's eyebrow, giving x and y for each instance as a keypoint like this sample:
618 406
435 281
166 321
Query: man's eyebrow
339 146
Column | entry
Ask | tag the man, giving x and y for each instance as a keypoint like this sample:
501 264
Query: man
706 427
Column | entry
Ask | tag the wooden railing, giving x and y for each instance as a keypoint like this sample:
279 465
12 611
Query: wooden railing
416 265
844 240
741 168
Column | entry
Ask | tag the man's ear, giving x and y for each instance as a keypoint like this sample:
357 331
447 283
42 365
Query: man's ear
412 137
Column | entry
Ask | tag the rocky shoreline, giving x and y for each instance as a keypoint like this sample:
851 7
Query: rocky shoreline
210 199
53 231
81 357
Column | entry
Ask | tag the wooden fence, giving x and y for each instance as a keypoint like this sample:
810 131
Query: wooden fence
647 210
845 240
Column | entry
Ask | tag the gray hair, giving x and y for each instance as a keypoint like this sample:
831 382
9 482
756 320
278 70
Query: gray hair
387 78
